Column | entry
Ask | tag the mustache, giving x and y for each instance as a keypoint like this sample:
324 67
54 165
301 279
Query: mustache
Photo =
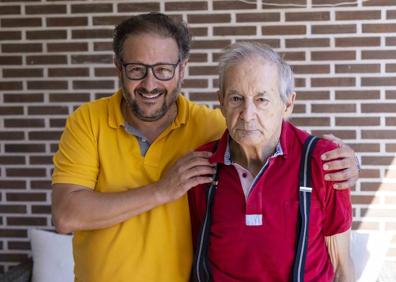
155 91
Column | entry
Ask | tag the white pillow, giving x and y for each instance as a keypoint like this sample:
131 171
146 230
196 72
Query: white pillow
52 256
368 251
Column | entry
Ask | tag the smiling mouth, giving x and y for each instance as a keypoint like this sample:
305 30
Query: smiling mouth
151 96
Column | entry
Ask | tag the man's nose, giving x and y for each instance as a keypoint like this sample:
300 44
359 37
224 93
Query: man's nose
149 82
248 111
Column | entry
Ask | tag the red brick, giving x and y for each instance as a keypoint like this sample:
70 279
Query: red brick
21 47
307 16
92 33
310 69
138 7
358 15
100 72
391 14
10 60
12 257
68 72
390 41
379 3
369 173
357 94
103 46
48 110
258 17
364 225
199 31
67 47
44 135
25 72
186 6
18 245
343 134
377 186
333 29
358 42
21 22
108 20
10 10
41 209
233 5
46 60
379 108
378 81
341 3
11 135
195 83
311 121
69 97
92 59
40 185
47 84
26 197
25 172
24 122
24 148
379 54
357 121
333 108
93 84
29 221
10 85
12 159
307 42
333 81
12 185
46 9
41 160
358 68
66 21
13 208
203 70
210 44
10 35
234 30
364 200
203 96
378 134
58 122
283 29
208 18
313 95
293 56
23 98
198 58
378 28
333 55
390 148
390 68
91 8
7 110
390 121
390 94
274 43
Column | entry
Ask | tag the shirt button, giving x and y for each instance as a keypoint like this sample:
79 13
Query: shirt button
244 175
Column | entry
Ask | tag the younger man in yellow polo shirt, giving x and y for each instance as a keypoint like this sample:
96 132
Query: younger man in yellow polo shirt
120 176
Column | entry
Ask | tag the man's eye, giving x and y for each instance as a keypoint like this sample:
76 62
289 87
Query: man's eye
236 99
135 69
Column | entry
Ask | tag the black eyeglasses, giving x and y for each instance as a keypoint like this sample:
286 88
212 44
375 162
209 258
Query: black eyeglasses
161 71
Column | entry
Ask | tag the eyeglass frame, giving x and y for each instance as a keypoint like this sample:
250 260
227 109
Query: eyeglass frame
152 69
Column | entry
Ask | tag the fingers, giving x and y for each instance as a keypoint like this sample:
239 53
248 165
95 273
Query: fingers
344 185
341 152
346 178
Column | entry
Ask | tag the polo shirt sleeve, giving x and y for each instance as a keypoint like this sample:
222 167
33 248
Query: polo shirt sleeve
336 204
76 161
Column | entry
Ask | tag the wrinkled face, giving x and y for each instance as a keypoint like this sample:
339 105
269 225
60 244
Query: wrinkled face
149 99
251 102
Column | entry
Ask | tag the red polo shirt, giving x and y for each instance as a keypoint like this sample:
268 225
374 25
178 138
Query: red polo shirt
241 252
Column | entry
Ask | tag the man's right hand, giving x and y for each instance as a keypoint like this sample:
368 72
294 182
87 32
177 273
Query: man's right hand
189 171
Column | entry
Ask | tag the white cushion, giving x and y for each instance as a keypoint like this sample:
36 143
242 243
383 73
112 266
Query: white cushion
52 256
368 251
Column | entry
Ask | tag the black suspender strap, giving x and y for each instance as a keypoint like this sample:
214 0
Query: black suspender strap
201 271
305 192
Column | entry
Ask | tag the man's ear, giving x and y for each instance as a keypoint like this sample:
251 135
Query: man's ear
289 105
118 66
182 69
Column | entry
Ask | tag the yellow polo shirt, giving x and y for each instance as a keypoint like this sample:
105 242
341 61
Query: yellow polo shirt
95 151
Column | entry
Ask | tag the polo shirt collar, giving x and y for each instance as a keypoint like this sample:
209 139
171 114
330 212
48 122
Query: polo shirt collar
223 154
116 119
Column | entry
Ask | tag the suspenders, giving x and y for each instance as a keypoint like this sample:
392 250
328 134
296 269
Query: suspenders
201 270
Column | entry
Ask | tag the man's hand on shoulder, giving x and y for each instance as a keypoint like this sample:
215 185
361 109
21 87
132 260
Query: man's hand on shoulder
342 159
189 171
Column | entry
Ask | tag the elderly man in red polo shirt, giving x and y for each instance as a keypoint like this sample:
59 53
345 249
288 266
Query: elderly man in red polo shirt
269 214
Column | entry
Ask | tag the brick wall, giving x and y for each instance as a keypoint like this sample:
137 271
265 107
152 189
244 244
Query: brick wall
56 55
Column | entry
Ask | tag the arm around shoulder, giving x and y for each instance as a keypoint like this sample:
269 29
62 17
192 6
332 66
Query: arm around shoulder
338 246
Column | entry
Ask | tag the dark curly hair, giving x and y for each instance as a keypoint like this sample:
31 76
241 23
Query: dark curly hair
152 23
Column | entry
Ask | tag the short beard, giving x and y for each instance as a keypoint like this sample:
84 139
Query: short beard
138 113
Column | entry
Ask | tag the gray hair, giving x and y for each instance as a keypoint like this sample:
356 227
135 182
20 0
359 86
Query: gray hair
243 50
